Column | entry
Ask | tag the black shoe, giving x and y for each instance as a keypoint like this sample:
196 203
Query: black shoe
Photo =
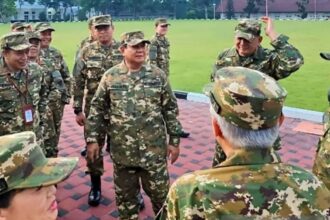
184 134
94 196
141 202
83 152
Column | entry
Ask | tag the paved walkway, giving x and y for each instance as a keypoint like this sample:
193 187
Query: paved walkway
299 138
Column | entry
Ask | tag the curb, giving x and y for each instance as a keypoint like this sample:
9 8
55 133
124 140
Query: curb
291 112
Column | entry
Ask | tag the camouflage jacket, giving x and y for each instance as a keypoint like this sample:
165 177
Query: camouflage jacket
142 109
278 63
321 166
248 185
12 101
94 60
159 53
53 60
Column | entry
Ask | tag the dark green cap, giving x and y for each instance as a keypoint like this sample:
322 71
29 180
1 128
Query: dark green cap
161 21
325 56
101 20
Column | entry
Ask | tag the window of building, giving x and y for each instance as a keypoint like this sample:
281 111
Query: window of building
26 16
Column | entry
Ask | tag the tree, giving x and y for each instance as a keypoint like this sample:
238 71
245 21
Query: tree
253 6
230 9
302 8
7 9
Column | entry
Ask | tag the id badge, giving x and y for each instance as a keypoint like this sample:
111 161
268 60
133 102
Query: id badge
28 114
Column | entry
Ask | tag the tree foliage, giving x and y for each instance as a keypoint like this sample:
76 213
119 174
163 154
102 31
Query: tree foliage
7 9
253 6
230 10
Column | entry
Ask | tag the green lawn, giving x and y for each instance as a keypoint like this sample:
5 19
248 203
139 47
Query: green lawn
196 44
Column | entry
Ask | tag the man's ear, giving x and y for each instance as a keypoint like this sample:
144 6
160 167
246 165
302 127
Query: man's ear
260 39
216 128
281 119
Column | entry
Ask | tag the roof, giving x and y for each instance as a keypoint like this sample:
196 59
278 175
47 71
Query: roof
278 6
26 5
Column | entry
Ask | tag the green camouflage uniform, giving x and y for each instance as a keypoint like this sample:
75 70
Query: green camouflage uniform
142 110
159 50
252 183
94 60
23 165
60 92
30 91
278 63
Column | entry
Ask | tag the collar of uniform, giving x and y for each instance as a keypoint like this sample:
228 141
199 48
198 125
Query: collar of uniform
259 54
251 157
160 37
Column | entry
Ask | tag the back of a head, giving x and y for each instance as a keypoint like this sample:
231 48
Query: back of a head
249 103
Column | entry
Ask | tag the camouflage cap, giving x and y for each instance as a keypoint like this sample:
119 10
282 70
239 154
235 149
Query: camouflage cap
33 35
325 56
133 38
18 25
101 20
246 98
14 41
23 164
43 26
248 29
163 21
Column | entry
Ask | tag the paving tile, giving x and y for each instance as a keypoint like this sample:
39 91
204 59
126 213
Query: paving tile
299 138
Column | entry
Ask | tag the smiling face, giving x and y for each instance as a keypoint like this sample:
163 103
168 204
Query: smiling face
32 204
16 59
135 54
246 48
34 49
46 38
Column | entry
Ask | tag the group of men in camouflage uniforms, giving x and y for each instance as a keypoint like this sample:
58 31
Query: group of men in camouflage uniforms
129 104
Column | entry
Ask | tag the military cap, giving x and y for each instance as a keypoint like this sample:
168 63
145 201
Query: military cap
23 164
18 25
101 20
133 38
43 26
161 21
14 41
246 98
248 29
33 35
325 56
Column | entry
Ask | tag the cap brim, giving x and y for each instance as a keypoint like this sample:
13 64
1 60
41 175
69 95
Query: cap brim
137 41
246 36
102 24
20 47
46 29
53 172
325 56
208 88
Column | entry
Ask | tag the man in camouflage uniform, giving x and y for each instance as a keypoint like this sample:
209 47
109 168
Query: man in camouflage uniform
247 52
159 51
60 94
92 62
321 166
142 109
22 96
252 183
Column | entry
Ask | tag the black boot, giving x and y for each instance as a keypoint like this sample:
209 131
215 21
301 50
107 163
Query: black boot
94 195
141 202
83 152
184 134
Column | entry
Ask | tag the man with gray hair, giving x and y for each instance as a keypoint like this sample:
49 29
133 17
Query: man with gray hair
246 111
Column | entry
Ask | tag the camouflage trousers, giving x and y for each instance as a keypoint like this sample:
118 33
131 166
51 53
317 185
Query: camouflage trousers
96 167
155 182
52 128
220 156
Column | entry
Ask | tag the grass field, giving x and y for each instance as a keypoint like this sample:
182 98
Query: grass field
196 44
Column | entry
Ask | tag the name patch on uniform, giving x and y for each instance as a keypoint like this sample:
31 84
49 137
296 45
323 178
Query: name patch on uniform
154 83
119 87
